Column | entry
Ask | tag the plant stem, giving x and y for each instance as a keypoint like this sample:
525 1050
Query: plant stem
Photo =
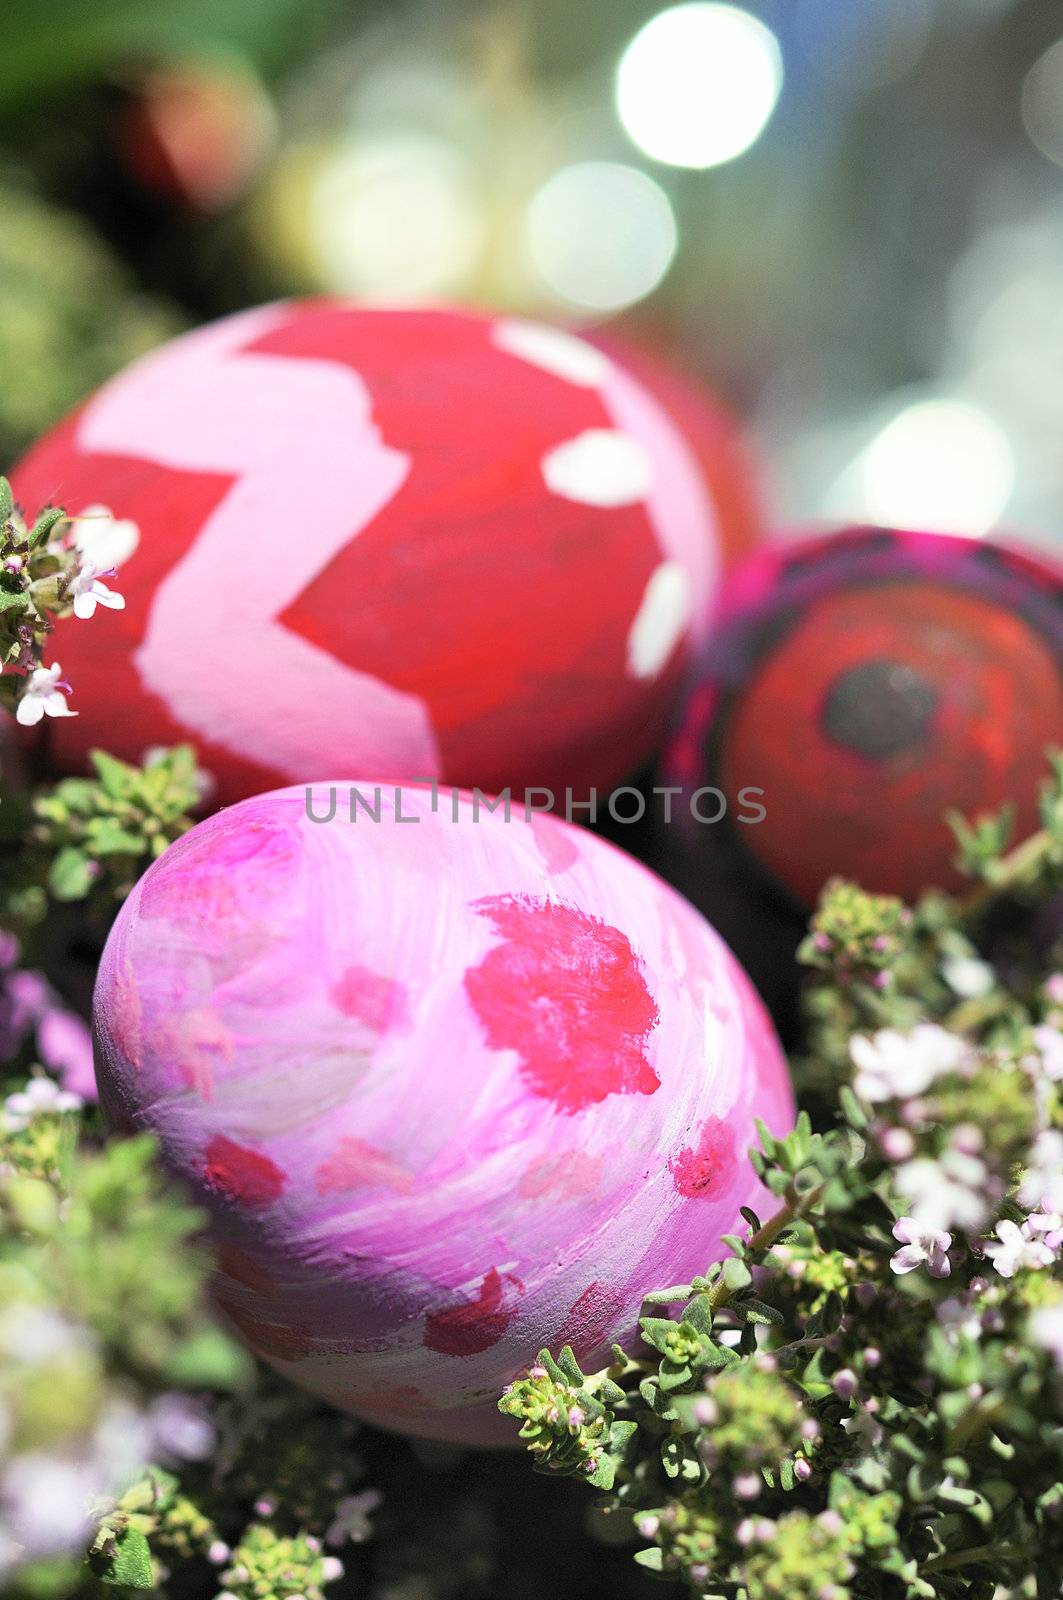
1010 872
795 1206
976 1553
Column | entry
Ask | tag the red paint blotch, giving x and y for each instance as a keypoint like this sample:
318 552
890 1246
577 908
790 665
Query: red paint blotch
474 1325
269 1339
195 1042
555 844
704 1170
243 1175
236 1265
567 1176
592 1320
354 1164
566 991
377 1001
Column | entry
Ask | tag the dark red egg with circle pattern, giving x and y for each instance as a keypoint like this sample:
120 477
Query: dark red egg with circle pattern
869 682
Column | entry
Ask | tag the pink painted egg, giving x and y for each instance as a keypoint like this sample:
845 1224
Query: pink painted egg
452 1087
415 543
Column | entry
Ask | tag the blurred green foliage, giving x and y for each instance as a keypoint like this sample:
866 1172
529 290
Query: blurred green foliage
48 46
71 314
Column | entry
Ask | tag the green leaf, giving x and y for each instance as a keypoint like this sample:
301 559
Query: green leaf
653 1558
604 1476
675 1379
852 1110
656 1331
736 1275
74 794
767 1139
13 602
668 1297
45 523
545 1359
71 874
106 837
715 1356
758 1311
7 500
661 1404
209 1360
130 1566
570 1367
116 776
699 1313
833 1311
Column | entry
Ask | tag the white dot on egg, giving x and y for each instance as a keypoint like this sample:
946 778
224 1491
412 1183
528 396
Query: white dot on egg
660 621
600 467
552 349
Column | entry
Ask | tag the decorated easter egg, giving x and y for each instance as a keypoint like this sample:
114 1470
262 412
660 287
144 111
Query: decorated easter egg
415 543
859 687
452 1086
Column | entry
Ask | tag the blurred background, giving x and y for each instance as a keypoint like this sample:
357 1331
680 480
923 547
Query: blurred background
845 215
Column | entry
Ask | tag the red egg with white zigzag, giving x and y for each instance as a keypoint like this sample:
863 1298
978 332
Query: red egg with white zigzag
412 543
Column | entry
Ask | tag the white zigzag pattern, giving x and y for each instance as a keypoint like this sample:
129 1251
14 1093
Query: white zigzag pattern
202 405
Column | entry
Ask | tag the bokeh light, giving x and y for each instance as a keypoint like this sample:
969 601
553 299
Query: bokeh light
697 85
395 218
942 465
600 235
1042 103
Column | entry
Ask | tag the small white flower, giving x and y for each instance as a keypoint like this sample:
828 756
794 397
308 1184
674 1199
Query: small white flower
967 976
1015 1248
891 1065
46 1502
1042 1181
42 696
351 1519
103 539
121 1443
863 1428
1046 1225
34 1336
87 592
747 1485
1046 1329
41 1097
920 1244
946 1193
958 1318
180 1428
896 1144
1049 1042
